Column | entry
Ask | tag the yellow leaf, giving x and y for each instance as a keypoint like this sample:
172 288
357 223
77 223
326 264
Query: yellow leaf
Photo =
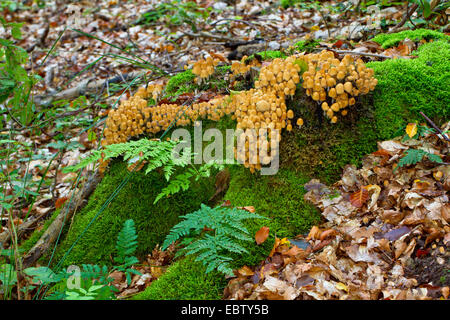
411 129
284 241
315 28
341 286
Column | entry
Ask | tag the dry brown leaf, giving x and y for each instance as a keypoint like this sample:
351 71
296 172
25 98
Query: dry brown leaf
245 271
261 235
360 197
314 233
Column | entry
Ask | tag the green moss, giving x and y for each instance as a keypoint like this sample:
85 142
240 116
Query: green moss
30 242
184 82
306 45
270 55
185 280
278 197
134 201
320 149
289 3
180 83
407 86
387 40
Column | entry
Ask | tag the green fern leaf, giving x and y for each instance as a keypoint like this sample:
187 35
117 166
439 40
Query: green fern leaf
126 244
212 249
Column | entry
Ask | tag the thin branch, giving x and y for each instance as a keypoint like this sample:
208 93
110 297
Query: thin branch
435 126
362 54
406 17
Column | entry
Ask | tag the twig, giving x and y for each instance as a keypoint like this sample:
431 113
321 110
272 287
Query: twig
250 24
208 35
405 18
82 88
362 54
434 126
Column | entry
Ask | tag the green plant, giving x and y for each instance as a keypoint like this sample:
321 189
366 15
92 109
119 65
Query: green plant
430 9
176 12
184 180
413 156
15 83
213 250
95 281
156 154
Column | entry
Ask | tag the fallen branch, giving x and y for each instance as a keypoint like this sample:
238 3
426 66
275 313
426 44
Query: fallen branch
85 87
208 35
30 224
51 234
362 54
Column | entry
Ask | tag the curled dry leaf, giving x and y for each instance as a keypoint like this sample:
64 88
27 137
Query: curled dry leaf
245 271
326 234
314 233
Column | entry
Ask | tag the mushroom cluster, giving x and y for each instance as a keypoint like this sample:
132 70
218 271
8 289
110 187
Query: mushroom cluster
280 76
204 68
254 110
335 84
134 117
242 67
153 91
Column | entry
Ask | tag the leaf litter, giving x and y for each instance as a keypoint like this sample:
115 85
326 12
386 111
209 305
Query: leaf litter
390 244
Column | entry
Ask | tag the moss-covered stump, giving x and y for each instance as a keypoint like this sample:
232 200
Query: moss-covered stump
186 279
134 201
319 149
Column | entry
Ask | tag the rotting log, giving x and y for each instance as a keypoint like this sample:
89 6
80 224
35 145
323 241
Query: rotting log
53 231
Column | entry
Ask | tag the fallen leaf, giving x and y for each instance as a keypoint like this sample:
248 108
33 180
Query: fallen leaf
327 233
360 197
294 251
314 233
245 271
411 129
261 235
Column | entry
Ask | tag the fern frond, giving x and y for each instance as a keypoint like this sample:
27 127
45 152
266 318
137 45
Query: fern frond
156 153
183 180
413 156
212 248
126 244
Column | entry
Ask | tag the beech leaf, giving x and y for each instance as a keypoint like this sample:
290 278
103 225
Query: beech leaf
360 197
411 129
261 235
